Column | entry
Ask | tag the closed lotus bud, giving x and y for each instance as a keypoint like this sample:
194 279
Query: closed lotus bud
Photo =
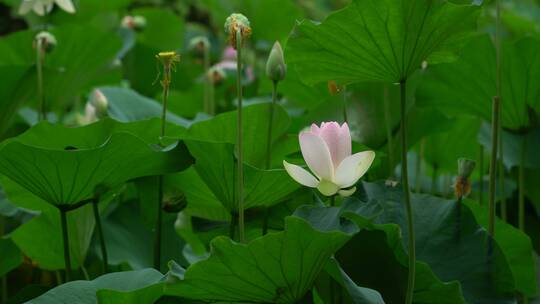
462 187
237 22
136 23
333 88
100 103
276 69
199 44
216 75
46 41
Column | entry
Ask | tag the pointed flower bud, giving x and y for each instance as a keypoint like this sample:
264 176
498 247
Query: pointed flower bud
100 103
276 69
46 41
237 22
462 187
136 23
327 152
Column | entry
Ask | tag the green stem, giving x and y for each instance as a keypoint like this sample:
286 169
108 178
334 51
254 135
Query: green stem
239 136
42 113
332 200
208 102
159 221
501 178
521 188
419 158
65 238
406 193
99 229
4 278
270 125
159 224
434 180
389 137
493 165
481 176
345 118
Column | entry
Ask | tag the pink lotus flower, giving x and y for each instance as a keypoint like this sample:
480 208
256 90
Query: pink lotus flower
327 152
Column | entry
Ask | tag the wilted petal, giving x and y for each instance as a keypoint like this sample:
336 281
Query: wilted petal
353 168
301 175
66 5
316 155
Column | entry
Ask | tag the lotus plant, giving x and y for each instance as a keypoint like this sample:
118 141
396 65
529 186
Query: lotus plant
327 152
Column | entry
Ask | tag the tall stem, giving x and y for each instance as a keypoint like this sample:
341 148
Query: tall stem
42 113
208 86
389 137
345 117
239 136
493 165
4 278
269 147
419 158
501 176
65 238
406 193
99 229
270 125
481 175
521 188
159 221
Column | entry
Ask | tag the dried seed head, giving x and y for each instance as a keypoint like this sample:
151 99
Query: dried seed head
233 24
276 69
46 41
466 167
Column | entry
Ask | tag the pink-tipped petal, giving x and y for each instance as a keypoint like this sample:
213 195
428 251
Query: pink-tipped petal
338 140
301 175
353 168
315 129
316 155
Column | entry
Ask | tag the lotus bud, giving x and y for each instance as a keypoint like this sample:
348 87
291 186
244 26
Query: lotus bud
199 44
46 41
234 23
462 187
100 103
276 69
216 75
136 23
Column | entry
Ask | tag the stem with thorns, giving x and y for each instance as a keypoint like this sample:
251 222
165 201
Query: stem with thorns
239 137
406 194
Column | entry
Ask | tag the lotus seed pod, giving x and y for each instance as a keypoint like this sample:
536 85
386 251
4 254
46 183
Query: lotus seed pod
276 69
199 44
216 75
46 41
237 22
465 167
